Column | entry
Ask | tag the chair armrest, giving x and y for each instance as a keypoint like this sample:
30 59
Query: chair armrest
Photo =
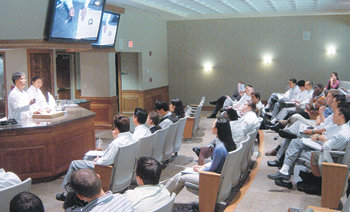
105 173
193 105
337 153
319 209
209 183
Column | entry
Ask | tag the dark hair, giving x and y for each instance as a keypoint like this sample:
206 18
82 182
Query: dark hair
141 115
257 95
250 86
154 116
26 201
333 92
85 182
340 98
161 105
252 106
224 134
301 83
335 74
232 114
149 170
122 123
293 80
16 76
179 107
344 108
319 85
35 78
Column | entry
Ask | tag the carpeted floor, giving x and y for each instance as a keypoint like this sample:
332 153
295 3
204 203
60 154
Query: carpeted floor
261 195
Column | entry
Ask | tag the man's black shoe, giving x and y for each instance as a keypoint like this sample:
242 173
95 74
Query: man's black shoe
213 103
284 133
278 176
212 116
61 197
288 185
274 163
196 150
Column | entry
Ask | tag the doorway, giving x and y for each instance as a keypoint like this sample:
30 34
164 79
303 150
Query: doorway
3 96
68 75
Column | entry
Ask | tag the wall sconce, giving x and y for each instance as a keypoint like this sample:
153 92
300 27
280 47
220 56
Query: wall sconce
208 67
331 50
267 59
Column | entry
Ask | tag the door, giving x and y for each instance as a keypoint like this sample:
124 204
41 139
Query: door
3 92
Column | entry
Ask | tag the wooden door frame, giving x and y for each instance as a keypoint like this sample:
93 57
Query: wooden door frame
5 82
120 109
50 51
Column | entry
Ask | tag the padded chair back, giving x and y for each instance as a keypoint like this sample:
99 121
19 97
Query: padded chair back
123 167
252 142
158 148
237 172
196 120
246 147
168 206
146 146
169 141
179 134
6 194
226 174
346 158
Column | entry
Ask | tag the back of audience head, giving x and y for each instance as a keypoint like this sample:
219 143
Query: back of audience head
318 89
153 118
301 84
252 106
122 123
177 107
26 202
140 115
86 184
148 171
292 82
161 107
225 134
231 114
344 109
340 98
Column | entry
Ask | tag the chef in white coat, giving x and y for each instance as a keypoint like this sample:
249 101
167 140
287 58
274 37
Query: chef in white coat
34 92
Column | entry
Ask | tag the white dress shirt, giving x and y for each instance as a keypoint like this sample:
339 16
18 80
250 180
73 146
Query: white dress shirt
8 179
339 138
166 122
141 131
237 131
249 122
18 105
301 96
122 139
40 100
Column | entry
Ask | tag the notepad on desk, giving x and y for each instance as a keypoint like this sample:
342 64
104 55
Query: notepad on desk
94 153
312 144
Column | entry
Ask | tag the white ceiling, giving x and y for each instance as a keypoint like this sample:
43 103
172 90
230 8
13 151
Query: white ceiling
204 9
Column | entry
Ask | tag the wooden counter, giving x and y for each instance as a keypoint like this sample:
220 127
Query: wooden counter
43 148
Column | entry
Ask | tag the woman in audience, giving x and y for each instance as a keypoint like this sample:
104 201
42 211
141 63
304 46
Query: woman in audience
153 121
221 146
333 81
177 108
34 92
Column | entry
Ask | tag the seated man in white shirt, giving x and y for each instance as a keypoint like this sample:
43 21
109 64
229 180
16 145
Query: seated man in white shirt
139 119
149 194
335 138
162 108
18 100
8 179
276 96
250 120
122 137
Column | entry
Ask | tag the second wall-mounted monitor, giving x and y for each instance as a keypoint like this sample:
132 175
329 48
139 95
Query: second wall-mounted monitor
108 30
74 20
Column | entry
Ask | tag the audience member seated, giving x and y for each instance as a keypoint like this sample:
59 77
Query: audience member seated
333 81
259 105
168 118
245 99
223 144
26 202
122 137
8 179
219 103
250 119
139 119
289 94
149 194
237 136
300 95
334 138
153 121
177 108
88 187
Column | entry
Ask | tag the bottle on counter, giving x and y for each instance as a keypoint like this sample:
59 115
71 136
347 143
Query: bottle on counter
99 143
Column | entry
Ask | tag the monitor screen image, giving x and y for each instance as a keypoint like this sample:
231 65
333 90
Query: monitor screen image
75 20
108 30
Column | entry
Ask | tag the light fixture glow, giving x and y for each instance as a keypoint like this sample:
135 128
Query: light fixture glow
267 59
208 67
331 50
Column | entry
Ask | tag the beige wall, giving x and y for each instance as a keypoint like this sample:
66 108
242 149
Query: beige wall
236 46
130 70
15 61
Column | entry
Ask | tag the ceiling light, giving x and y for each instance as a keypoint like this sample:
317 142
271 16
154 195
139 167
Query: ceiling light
208 67
331 50
267 59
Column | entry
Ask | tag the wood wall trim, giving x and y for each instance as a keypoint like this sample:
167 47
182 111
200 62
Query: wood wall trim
105 109
42 44
116 9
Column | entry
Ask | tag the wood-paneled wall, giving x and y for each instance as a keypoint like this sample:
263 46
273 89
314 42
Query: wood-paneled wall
105 109
143 99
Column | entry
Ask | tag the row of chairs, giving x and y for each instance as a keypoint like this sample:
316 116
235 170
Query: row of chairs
216 188
6 194
193 112
160 145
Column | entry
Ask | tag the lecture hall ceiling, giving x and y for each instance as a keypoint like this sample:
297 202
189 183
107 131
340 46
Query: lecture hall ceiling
206 9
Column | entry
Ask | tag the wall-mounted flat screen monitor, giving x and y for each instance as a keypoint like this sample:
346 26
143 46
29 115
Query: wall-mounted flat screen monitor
74 20
108 30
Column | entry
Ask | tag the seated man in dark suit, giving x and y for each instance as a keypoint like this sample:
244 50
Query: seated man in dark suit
162 108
